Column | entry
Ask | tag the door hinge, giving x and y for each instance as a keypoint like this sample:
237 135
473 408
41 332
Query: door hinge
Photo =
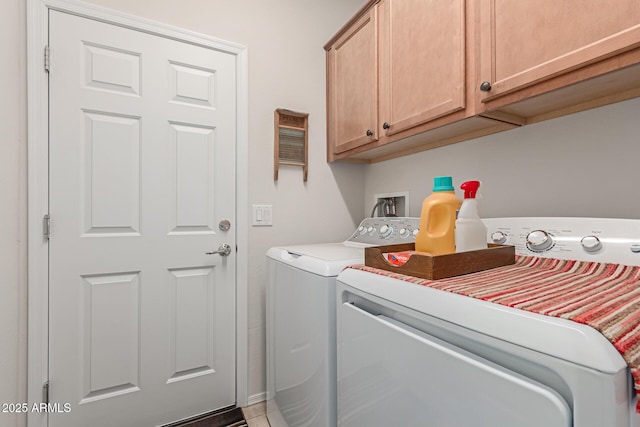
47 60
46 226
45 392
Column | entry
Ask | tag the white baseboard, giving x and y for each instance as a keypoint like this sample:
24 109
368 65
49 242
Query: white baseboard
257 398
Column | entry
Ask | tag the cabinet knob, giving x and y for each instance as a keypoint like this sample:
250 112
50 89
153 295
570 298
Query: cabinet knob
369 133
386 125
485 86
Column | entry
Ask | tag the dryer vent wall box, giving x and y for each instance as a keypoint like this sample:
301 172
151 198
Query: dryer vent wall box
262 215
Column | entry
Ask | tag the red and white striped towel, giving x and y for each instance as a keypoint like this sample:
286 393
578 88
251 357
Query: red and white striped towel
603 296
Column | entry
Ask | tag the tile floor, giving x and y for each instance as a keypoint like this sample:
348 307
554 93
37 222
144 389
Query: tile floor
256 415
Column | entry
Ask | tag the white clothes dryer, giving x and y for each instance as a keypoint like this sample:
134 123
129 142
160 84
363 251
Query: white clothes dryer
301 312
411 355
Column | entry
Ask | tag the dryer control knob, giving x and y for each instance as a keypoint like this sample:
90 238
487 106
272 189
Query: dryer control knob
539 241
591 243
498 237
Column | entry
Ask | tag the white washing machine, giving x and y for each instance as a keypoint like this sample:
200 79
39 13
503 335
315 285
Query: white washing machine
301 330
411 355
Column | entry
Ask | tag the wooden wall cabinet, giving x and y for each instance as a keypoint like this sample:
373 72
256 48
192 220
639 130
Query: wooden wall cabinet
398 69
565 51
352 89
408 75
422 62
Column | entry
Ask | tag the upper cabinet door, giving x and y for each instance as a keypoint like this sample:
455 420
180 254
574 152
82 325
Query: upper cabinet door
352 85
526 42
422 61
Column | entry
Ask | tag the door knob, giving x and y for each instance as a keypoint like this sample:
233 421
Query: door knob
223 250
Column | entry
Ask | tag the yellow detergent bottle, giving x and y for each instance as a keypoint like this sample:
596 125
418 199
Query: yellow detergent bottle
438 219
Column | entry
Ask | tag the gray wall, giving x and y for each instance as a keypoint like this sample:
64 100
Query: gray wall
13 206
583 165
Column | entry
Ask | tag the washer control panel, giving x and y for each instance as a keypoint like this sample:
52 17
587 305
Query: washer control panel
585 239
386 231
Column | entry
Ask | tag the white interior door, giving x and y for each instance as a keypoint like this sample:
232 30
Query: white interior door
142 170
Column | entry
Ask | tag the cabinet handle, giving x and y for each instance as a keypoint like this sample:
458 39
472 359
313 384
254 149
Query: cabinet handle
485 86
369 133
386 125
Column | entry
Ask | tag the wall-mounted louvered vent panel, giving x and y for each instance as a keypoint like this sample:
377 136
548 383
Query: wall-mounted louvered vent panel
291 140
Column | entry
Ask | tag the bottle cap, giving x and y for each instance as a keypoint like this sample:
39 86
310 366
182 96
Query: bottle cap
470 188
443 183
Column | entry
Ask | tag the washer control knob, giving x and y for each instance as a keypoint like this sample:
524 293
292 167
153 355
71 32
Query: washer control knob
404 233
539 241
362 230
386 231
415 232
591 243
635 248
371 230
498 237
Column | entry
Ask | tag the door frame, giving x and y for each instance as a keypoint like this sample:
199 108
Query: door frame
38 182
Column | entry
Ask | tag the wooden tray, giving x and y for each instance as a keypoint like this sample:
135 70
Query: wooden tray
440 266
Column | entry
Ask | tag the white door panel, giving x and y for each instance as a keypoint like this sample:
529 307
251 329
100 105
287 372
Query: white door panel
142 169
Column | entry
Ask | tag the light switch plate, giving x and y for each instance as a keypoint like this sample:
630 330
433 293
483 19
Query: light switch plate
262 215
